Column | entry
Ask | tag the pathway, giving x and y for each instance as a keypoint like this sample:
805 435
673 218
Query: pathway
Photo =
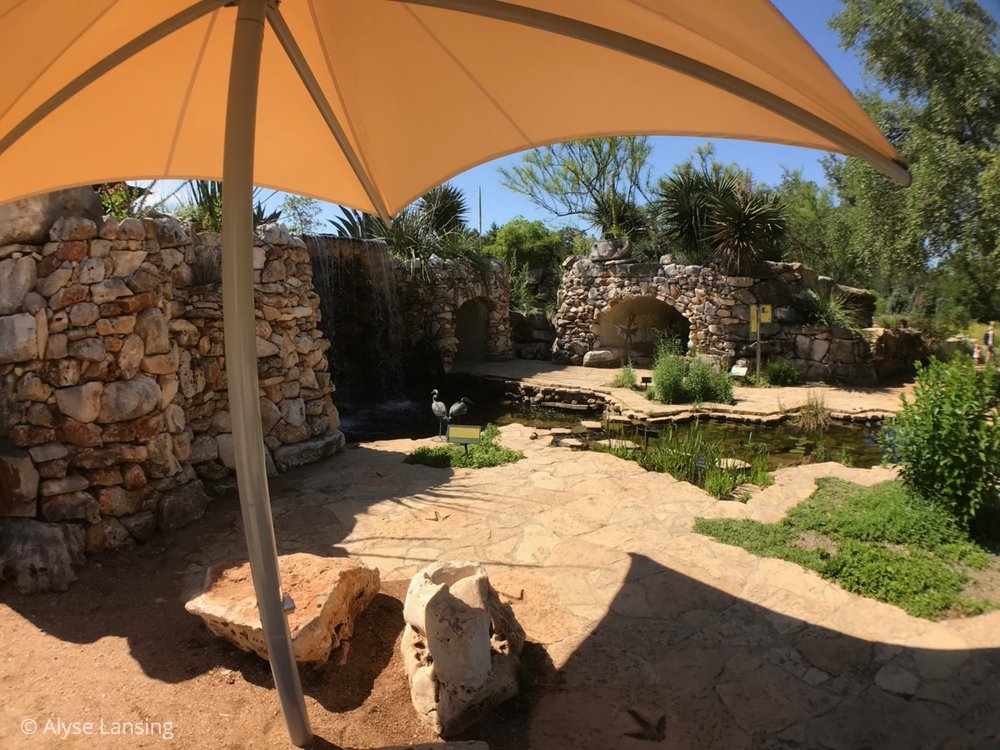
637 612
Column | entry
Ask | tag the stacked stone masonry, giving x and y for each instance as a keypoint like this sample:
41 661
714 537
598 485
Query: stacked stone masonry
112 375
432 295
717 309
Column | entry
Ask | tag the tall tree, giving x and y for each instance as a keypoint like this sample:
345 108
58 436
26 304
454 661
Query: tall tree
602 180
935 70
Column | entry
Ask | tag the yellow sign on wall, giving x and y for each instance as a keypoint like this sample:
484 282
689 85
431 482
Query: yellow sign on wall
753 318
765 313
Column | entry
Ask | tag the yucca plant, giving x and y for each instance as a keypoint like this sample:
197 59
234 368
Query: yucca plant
745 226
722 218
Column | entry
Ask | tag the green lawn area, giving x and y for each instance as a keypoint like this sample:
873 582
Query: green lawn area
878 542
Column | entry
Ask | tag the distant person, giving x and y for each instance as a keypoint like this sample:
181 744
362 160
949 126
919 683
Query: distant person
977 353
990 340
903 324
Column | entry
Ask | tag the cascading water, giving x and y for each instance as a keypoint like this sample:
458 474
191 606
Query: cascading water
360 313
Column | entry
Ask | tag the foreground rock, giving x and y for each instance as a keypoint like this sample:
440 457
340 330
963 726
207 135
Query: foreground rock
39 556
329 594
461 646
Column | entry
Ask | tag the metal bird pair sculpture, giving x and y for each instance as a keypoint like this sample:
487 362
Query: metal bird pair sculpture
445 415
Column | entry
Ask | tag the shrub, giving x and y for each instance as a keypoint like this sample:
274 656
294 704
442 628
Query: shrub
680 380
488 453
668 378
625 377
814 416
779 373
947 440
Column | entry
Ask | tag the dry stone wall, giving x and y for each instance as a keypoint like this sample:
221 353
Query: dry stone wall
112 384
716 307
432 296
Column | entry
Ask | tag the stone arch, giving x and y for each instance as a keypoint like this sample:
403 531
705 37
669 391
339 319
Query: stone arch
471 324
648 316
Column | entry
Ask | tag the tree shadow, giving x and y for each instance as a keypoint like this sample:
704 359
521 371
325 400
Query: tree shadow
139 594
679 664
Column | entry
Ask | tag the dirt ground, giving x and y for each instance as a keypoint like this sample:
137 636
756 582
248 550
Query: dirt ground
119 648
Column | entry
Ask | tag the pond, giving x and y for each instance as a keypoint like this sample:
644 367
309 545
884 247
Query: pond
410 417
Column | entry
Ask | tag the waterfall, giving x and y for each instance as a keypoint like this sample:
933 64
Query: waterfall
360 313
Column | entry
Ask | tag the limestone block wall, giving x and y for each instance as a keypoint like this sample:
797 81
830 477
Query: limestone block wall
298 416
94 433
112 379
717 309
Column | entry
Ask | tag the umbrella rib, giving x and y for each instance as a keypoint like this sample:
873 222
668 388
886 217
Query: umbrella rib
642 50
98 69
308 78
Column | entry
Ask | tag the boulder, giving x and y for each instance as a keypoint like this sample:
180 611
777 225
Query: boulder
129 399
18 338
30 219
17 278
39 556
181 506
609 357
308 451
461 646
329 594
605 250
18 482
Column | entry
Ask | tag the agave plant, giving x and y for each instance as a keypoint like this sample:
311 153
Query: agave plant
204 206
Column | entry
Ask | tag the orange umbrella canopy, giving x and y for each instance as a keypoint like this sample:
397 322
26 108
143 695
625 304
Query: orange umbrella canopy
369 103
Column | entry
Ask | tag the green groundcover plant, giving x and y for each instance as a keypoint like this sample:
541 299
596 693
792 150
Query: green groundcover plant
488 453
881 542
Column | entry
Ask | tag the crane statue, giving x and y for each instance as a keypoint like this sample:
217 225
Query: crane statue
459 409
440 411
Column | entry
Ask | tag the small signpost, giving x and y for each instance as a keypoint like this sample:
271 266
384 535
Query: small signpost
759 314
465 434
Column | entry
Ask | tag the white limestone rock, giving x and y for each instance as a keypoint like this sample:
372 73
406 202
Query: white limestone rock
461 646
17 278
329 594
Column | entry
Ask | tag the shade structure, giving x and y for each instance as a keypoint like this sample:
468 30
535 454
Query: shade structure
369 103
420 91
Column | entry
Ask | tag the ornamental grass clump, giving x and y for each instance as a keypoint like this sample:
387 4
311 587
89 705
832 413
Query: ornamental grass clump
946 442
681 380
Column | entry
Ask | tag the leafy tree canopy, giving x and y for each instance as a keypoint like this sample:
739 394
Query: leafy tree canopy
602 180
935 70
521 242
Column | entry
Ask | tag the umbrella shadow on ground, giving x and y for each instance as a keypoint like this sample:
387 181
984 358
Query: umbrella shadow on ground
679 664
139 594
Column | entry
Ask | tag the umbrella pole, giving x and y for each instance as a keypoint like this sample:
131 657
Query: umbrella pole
241 361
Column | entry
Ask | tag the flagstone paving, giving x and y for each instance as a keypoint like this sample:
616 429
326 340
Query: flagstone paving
645 620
